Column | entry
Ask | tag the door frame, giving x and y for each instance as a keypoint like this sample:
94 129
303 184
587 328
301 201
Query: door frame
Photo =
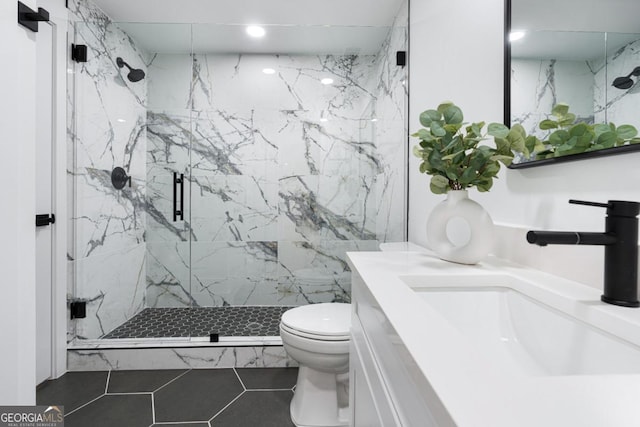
59 15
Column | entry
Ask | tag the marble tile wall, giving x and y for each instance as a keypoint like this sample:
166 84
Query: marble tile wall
537 85
585 85
276 194
621 105
107 128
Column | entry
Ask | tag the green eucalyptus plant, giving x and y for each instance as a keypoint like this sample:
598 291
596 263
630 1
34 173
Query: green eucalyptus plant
452 153
567 136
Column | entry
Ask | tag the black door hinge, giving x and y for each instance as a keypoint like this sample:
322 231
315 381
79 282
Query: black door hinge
78 309
45 219
79 52
29 18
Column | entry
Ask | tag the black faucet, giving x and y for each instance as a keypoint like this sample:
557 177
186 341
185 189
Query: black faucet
620 240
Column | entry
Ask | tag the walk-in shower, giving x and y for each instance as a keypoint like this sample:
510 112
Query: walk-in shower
244 188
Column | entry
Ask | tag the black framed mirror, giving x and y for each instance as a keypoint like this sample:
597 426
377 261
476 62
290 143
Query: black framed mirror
580 53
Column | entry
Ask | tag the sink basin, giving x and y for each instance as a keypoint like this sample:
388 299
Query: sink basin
526 336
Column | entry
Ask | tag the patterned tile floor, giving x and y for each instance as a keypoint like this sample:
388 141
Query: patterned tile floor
229 321
240 397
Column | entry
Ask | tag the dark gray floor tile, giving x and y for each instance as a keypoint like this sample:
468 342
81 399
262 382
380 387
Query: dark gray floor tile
197 395
257 408
262 378
141 381
133 410
72 390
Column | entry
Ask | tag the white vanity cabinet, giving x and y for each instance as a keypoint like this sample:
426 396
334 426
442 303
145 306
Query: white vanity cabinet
437 344
386 387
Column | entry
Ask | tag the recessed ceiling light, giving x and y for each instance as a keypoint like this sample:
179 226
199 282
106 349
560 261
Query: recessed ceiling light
373 119
516 35
122 120
268 71
326 81
255 31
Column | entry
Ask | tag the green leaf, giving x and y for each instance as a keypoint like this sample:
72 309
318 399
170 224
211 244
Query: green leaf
519 129
452 156
506 160
452 115
607 139
568 120
424 135
548 124
516 138
452 128
600 129
435 160
437 130
530 144
424 167
498 130
560 110
626 132
444 105
429 116
634 141
417 151
485 185
439 184
579 129
502 145
558 137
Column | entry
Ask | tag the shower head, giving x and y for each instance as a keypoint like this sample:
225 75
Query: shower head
135 74
626 82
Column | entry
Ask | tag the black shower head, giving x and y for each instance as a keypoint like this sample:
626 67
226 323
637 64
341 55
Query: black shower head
135 74
626 82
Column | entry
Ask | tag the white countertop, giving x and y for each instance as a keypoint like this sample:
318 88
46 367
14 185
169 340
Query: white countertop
475 390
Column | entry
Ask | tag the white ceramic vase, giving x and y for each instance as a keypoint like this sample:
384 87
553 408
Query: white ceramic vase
459 229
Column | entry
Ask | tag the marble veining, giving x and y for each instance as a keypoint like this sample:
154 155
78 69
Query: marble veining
586 86
283 174
620 105
179 358
107 256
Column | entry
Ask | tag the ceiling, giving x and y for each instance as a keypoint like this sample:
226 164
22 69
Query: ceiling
620 16
292 26
376 13
280 39
569 45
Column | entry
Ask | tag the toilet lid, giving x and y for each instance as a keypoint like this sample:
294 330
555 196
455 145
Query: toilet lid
327 319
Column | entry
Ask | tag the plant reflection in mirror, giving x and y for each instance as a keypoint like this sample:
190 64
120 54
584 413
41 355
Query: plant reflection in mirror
566 136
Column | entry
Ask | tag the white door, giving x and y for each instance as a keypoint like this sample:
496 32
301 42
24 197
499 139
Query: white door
44 202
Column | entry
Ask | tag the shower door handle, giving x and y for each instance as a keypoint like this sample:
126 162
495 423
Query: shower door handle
178 212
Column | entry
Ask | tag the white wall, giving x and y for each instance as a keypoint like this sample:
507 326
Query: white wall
17 230
456 54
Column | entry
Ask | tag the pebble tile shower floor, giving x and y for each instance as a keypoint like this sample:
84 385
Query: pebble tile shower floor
227 321
240 397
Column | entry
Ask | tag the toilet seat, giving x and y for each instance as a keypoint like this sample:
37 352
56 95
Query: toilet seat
316 337
326 321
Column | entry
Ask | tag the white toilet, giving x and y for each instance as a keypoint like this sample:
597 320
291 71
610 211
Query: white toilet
317 337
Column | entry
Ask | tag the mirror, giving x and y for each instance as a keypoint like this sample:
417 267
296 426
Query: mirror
580 53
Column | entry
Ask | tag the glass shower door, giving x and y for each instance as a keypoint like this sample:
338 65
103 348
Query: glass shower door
107 133
168 231
129 246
